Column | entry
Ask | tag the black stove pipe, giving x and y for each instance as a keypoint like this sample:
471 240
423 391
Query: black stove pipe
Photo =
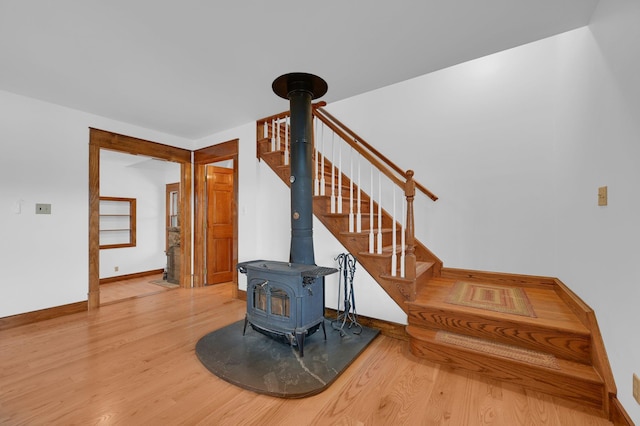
301 89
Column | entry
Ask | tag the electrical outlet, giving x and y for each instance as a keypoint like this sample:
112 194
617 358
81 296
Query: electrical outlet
636 388
116 268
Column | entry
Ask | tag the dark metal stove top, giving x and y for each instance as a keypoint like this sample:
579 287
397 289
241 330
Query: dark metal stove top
286 268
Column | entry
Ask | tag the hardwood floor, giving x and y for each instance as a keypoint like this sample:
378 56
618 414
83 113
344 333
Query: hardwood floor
131 288
134 363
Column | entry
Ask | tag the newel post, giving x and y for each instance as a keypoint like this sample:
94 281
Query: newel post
410 257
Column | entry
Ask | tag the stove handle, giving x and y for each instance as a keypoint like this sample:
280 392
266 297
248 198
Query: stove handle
263 284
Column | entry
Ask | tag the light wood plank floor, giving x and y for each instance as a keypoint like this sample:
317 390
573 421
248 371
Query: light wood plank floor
133 363
131 288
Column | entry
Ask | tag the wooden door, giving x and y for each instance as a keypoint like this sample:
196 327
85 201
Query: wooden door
219 225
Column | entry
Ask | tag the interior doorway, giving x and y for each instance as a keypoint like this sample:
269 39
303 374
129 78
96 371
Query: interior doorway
101 139
216 214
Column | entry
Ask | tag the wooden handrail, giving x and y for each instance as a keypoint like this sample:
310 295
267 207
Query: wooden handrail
357 143
371 158
351 138
361 141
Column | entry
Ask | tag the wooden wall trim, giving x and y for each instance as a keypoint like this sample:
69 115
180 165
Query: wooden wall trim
199 231
94 223
42 314
498 278
212 154
617 414
219 152
130 276
136 146
387 328
186 184
599 357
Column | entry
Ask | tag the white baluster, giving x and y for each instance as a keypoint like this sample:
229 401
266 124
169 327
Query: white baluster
371 214
359 215
394 257
316 181
286 141
333 176
278 134
265 130
273 134
351 221
322 179
402 241
339 188
379 248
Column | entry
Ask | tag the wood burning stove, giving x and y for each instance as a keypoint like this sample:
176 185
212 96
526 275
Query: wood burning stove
285 300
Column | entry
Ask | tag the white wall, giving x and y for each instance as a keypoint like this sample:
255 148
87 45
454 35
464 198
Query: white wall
598 248
145 180
45 160
516 144
480 136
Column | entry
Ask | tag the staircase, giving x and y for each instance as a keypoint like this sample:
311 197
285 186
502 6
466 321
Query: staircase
558 351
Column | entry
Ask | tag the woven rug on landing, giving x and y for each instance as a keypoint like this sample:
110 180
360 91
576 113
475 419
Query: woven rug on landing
508 300
506 351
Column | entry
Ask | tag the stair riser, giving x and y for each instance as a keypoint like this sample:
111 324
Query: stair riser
365 221
532 377
364 208
566 345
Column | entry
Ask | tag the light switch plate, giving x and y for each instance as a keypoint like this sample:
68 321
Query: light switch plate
43 208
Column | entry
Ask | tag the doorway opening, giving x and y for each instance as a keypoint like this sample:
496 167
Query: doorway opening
104 140
216 214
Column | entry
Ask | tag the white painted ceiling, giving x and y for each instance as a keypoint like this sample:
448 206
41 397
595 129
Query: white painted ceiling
195 67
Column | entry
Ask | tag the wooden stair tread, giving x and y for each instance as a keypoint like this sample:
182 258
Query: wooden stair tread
551 311
565 367
573 381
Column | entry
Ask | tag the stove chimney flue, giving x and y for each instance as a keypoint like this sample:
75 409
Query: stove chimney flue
301 89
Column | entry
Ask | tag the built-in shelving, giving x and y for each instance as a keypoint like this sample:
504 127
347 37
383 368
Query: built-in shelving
117 222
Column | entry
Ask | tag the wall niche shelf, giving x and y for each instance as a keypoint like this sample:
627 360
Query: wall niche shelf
117 222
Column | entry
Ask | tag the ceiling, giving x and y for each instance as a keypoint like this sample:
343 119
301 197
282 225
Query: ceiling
191 68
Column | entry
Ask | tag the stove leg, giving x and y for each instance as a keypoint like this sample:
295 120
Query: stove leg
324 330
244 329
300 342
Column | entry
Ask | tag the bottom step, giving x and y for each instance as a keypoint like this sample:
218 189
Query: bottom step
533 370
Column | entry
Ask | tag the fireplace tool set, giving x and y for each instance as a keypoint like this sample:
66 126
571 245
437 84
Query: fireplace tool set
348 317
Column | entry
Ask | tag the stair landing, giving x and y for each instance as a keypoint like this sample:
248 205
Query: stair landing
537 352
